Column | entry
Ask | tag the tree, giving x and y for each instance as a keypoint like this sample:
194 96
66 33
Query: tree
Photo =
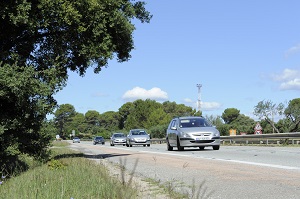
215 120
78 124
69 34
110 120
230 114
124 111
177 110
243 123
92 117
157 117
24 103
139 115
267 110
292 112
42 41
63 117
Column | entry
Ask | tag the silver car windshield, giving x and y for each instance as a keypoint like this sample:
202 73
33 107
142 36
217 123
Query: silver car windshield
195 122
119 135
139 133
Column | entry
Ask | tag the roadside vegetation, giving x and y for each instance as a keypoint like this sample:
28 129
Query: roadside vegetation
68 174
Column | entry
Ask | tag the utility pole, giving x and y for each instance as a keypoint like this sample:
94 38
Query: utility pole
199 97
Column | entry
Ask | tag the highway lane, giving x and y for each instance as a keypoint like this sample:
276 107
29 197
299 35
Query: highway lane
231 172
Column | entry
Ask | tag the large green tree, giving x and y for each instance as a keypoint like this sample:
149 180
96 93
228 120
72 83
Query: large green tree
230 114
44 40
63 118
292 113
109 120
24 102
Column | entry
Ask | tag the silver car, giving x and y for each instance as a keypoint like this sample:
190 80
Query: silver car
192 132
138 137
76 139
118 139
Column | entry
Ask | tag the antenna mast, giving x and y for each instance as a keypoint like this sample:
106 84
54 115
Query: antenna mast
199 97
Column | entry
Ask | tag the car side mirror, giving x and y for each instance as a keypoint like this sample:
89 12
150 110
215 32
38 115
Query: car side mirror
173 128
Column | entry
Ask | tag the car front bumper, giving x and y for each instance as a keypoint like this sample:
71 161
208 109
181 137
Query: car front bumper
119 142
194 142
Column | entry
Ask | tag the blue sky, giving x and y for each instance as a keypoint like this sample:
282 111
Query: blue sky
242 52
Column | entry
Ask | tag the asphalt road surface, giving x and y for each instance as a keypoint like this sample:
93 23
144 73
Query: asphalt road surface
232 172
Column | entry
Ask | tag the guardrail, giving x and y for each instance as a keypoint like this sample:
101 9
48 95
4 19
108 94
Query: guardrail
274 138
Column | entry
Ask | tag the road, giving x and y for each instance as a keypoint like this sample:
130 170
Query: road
231 172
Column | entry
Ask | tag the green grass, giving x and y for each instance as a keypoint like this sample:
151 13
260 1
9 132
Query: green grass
67 175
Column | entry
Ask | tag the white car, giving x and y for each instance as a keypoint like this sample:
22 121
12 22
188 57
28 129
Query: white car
138 137
118 139
76 139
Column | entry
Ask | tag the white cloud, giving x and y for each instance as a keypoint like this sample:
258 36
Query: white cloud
289 79
141 93
291 85
187 100
292 50
205 106
209 106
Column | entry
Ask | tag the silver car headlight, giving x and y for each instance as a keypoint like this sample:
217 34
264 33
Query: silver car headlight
185 135
216 134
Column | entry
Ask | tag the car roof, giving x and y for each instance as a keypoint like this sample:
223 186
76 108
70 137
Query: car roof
190 117
137 130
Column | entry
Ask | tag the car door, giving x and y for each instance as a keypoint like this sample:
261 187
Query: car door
172 133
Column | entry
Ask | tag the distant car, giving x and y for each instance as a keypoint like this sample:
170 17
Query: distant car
191 132
76 139
118 139
138 137
98 140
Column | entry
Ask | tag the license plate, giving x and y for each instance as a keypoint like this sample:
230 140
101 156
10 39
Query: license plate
202 138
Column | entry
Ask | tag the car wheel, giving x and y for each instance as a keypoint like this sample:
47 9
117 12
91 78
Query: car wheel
180 148
144 145
148 145
94 143
216 147
130 145
169 146
127 144
201 147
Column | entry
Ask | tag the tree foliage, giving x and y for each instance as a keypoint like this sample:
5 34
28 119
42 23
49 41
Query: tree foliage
292 113
230 114
24 103
44 40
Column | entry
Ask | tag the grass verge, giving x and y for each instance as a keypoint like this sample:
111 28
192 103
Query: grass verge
68 175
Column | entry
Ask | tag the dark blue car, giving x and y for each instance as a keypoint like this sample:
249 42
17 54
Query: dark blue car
98 140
